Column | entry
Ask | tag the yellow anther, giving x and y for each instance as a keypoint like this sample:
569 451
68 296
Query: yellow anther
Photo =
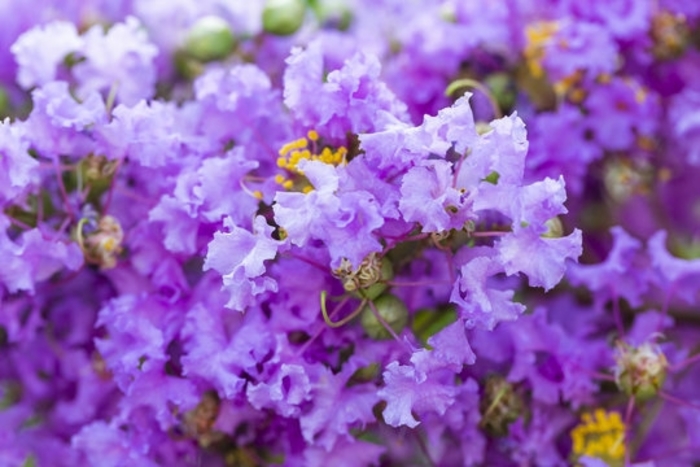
296 144
600 435
604 78
307 189
538 35
291 154
109 244
257 194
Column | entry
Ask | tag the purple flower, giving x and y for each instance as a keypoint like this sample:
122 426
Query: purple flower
580 46
18 171
559 146
337 408
239 256
678 277
623 274
351 99
429 198
122 58
345 221
34 257
620 112
482 302
40 51
542 260
408 389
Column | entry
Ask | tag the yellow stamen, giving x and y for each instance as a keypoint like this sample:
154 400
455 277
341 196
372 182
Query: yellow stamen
292 153
296 144
538 35
600 435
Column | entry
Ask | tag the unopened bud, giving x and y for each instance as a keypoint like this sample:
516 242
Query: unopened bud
555 229
283 17
392 310
640 371
210 38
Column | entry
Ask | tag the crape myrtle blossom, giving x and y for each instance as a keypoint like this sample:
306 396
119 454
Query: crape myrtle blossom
272 234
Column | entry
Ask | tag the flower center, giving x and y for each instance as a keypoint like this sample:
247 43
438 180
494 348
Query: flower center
307 148
600 435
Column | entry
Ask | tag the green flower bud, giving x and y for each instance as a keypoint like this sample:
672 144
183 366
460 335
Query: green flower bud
428 322
555 229
640 371
392 310
502 89
210 38
364 375
283 17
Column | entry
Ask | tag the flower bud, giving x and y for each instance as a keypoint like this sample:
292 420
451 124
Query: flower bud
428 322
500 405
210 38
640 371
392 310
555 229
283 17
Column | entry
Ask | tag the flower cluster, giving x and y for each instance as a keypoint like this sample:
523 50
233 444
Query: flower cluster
324 232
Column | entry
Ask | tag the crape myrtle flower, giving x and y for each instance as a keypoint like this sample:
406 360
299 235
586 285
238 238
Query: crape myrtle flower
39 64
216 256
624 273
684 120
621 112
348 99
102 61
19 170
569 156
626 20
565 47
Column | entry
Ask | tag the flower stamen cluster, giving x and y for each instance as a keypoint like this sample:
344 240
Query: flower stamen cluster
103 243
307 148
600 435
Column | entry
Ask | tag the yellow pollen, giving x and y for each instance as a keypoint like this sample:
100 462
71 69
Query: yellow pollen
640 95
109 244
296 144
292 153
257 194
538 35
600 435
